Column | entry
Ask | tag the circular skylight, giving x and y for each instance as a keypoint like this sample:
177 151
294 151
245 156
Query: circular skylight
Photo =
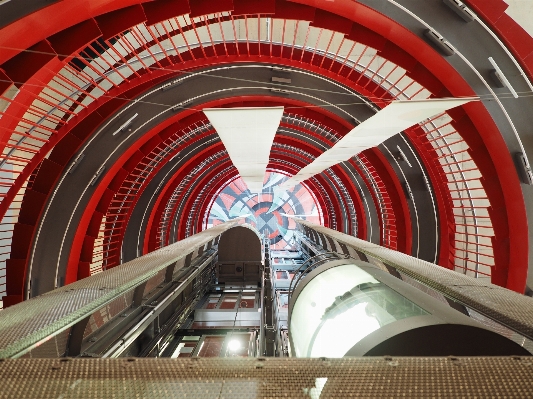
270 212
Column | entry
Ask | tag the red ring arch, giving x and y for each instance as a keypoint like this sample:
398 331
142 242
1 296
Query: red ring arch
361 90
510 224
98 196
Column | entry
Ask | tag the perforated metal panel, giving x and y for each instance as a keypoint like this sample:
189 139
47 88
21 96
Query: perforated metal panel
267 378
33 322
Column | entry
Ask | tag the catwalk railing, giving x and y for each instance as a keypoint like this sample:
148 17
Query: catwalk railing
33 113
490 304
107 247
252 378
52 324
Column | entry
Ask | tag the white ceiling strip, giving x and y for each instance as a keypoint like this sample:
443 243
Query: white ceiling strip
247 134
394 118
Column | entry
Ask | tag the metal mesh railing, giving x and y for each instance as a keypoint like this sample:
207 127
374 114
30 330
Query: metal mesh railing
105 64
163 231
512 310
388 230
107 246
30 323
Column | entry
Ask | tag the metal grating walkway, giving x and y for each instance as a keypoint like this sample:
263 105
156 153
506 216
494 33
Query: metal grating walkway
211 378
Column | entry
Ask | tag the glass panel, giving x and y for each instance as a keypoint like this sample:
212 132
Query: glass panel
283 301
212 302
191 338
211 346
229 302
267 212
186 347
341 306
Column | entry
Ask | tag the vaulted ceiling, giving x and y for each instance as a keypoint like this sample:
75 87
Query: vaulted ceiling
107 154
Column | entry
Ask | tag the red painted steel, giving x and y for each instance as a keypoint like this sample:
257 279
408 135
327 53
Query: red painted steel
239 103
392 40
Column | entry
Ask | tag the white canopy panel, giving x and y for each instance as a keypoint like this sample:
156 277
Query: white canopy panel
395 117
247 134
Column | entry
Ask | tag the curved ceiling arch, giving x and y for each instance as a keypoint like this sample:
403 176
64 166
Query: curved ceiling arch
394 42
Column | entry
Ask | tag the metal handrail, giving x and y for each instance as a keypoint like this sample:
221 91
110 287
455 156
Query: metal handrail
58 310
505 307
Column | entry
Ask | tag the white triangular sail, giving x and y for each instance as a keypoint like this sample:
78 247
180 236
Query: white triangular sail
394 118
247 134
